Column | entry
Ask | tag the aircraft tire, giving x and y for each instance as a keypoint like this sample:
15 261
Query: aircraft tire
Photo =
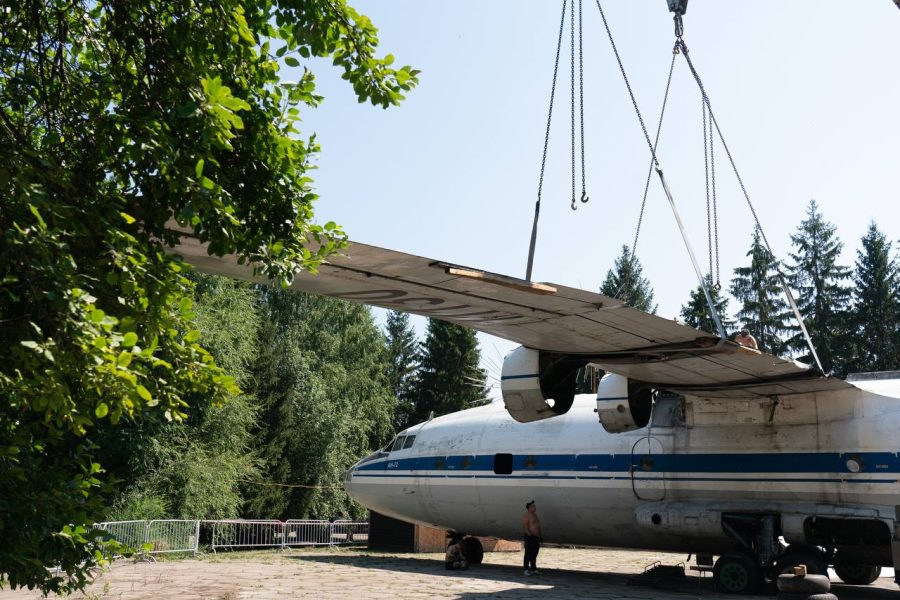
473 550
790 596
737 574
811 584
857 574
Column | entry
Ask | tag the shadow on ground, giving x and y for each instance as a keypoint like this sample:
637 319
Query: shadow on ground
554 581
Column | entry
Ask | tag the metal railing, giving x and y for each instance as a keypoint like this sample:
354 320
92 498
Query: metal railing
180 535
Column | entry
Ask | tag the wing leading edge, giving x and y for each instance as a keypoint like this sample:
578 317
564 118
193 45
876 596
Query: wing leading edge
545 317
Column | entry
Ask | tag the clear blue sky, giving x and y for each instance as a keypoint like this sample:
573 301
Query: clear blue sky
807 93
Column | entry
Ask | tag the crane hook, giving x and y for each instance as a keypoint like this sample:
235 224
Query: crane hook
584 197
574 205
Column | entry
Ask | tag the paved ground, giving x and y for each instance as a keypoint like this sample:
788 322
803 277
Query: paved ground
358 575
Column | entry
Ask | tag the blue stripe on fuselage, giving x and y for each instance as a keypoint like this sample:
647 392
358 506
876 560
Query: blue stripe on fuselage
787 462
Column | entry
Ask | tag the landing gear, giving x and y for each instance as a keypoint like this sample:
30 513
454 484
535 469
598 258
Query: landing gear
737 574
473 550
857 574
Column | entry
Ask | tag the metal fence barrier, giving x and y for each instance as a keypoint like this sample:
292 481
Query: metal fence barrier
247 534
173 535
180 535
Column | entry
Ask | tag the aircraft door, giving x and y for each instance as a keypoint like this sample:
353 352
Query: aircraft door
647 477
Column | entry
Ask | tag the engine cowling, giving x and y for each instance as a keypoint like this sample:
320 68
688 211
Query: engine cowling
531 379
623 404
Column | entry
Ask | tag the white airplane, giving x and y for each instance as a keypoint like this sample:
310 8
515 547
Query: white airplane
692 443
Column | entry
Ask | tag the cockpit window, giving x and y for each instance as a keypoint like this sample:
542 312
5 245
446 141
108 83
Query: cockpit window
410 440
398 445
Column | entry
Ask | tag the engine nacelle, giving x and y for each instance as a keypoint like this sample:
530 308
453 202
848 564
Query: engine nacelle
530 378
622 404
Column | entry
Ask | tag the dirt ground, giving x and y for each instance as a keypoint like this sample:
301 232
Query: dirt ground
359 574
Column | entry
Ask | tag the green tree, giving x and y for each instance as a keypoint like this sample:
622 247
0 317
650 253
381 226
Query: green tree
822 295
626 282
116 118
403 354
696 312
758 290
875 312
325 403
195 468
449 376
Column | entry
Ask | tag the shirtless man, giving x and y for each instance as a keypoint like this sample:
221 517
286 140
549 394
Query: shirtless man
745 339
531 527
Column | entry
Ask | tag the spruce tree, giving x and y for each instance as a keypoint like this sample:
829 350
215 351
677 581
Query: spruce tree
403 357
822 296
875 313
449 378
763 310
626 282
696 312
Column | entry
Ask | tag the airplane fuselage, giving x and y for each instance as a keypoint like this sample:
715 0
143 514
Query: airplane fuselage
808 459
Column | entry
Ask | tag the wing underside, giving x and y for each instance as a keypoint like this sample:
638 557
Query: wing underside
546 317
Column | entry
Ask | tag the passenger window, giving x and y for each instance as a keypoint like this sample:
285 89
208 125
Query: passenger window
466 462
409 442
439 462
530 462
503 464
398 445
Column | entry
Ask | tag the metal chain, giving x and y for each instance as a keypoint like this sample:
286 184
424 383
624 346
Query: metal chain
715 123
537 204
709 237
662 112
584 196
628 85
715 198
784 285
572 92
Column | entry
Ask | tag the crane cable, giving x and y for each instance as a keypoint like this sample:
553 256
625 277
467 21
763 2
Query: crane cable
537 204
712 210
662 113
783 280
700 277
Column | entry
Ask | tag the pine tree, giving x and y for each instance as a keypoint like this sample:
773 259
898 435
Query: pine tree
449 378
626 282
758 289
696 312
403 354
822 296
876 305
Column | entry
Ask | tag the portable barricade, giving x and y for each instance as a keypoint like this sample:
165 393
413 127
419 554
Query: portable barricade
306 532
173 535
247 534
349 533
131 534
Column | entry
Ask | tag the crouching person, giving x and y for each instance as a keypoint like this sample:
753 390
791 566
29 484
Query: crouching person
455 559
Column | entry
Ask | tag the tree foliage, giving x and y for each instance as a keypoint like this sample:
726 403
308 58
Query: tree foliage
116 118
449 377
875 313
696 312
822 294
626 282
325 403
403 354
758 290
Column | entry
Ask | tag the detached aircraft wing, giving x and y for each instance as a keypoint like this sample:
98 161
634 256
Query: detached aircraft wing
546 317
